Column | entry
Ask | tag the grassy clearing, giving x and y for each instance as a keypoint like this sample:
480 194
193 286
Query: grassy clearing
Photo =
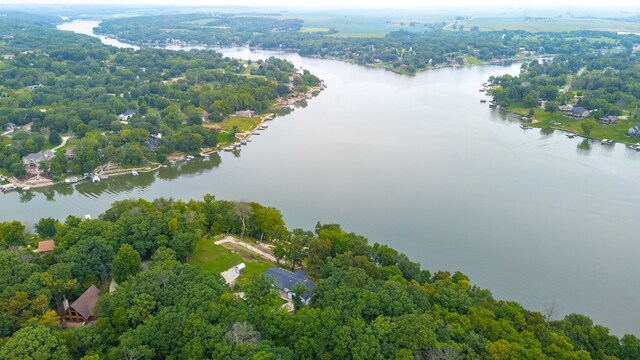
471 60
243 124
356 35
213 258
313 29
217 258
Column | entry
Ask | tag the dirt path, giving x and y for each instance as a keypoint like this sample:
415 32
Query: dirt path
254 249
64 142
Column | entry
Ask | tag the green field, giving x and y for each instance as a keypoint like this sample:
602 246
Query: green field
243 124
551 24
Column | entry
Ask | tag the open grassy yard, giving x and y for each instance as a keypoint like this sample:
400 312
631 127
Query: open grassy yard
214 258
217 258
243 124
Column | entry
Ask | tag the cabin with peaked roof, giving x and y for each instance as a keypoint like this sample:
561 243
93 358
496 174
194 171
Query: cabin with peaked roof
286 280
81 310
46 246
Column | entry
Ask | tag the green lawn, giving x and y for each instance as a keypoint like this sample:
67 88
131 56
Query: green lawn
243 124
216 259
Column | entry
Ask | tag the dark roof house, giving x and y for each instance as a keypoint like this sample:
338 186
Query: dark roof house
579 112
286 280
634 131
82 309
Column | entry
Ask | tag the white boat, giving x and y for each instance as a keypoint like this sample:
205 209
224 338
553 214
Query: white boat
134 173
8 187
190 157
96 179
606 142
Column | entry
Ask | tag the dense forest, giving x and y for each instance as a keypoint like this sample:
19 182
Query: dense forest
368 302
59 83
402 51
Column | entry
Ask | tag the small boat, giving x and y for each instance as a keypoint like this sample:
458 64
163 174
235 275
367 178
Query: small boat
96 179
8 187
493 106
243 142
483 101
190 157
571 135
525 127
134 173
205 157
71 180
482 90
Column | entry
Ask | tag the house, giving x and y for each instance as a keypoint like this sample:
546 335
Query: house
286 280
10 126
565 108
81 311
127 115
33 87
46 246
608 120
579 112
245 113
36 158
634 131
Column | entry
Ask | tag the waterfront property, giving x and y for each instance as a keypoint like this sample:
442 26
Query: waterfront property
579 112
634 131
608 120
246 113
35 158
286 280
81 310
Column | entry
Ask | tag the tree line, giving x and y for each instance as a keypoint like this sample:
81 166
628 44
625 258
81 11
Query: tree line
369 301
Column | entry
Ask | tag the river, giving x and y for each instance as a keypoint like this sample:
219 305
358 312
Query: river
420 164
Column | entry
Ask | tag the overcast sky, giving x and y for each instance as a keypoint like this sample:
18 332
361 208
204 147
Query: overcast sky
355 3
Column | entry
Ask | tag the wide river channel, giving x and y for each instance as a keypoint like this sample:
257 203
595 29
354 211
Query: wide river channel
420 164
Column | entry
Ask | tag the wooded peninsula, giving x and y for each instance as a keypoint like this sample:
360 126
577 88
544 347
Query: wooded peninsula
143 281
120 106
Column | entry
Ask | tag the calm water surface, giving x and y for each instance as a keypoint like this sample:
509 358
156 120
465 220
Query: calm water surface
420 164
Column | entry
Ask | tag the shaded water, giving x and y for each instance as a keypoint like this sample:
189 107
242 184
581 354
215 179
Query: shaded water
420 164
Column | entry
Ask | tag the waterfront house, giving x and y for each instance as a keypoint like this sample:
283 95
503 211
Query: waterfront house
46 246
608 120
10 126
35 158
579 112
127 115
634 131
565 108
246 113
81 311
286 280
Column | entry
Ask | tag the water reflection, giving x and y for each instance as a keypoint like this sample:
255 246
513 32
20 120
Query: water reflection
547 131
584 147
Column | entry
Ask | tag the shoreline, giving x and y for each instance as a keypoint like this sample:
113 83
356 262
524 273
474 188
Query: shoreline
110 169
